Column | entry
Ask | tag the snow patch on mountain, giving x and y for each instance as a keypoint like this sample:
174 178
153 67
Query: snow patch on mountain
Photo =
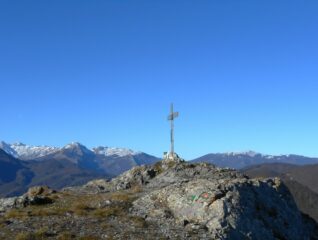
78 146
247 153
254 154
29 152
112 151
74 145
26 152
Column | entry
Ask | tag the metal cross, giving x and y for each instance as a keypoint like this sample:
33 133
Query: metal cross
171 118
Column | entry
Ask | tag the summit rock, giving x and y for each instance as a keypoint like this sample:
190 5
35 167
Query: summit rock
201 201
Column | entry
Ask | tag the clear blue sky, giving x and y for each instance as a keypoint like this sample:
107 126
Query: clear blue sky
243 74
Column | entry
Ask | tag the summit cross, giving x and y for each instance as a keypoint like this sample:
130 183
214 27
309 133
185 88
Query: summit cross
171 118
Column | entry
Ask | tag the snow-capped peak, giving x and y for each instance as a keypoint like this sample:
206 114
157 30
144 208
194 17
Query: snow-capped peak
248 153
27 152
76 145
8 149
18 144
112 151
253 154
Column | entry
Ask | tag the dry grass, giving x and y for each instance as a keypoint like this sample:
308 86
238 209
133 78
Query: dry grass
110 238
136 189
41 233
55 196
15 213
43 212
80 205
158 167
65 236
109 211
68 206
123 197
138 222
106 225
171 164
81 208
2 224
24 236
88 238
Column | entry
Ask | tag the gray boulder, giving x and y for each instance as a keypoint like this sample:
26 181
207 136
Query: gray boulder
9 203
38 195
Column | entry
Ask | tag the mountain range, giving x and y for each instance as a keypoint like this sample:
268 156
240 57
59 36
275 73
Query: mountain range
23 166
242 160
118 158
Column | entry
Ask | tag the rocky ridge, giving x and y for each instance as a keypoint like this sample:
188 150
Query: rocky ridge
175 199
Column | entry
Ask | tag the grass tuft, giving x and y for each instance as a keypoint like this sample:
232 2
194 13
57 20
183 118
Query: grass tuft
138 222
109 211
65 236
24 236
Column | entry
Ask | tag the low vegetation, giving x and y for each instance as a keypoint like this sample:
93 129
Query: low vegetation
92 211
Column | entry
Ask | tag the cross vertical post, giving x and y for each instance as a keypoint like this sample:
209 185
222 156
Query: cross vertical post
172 126
171 118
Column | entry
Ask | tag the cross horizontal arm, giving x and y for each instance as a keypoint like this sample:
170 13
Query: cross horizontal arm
173 116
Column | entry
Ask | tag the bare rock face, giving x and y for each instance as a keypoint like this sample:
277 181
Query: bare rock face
137 176
233 209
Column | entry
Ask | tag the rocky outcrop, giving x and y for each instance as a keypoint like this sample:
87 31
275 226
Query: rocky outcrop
38 195
217 203
35 196
9 203
233 209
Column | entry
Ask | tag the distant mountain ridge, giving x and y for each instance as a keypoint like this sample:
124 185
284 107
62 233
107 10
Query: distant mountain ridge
23 165
9 166
48 165
242 160
16 175
30 152
300 180
306 175
237 160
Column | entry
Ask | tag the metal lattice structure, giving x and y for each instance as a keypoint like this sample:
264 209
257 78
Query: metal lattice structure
171 118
